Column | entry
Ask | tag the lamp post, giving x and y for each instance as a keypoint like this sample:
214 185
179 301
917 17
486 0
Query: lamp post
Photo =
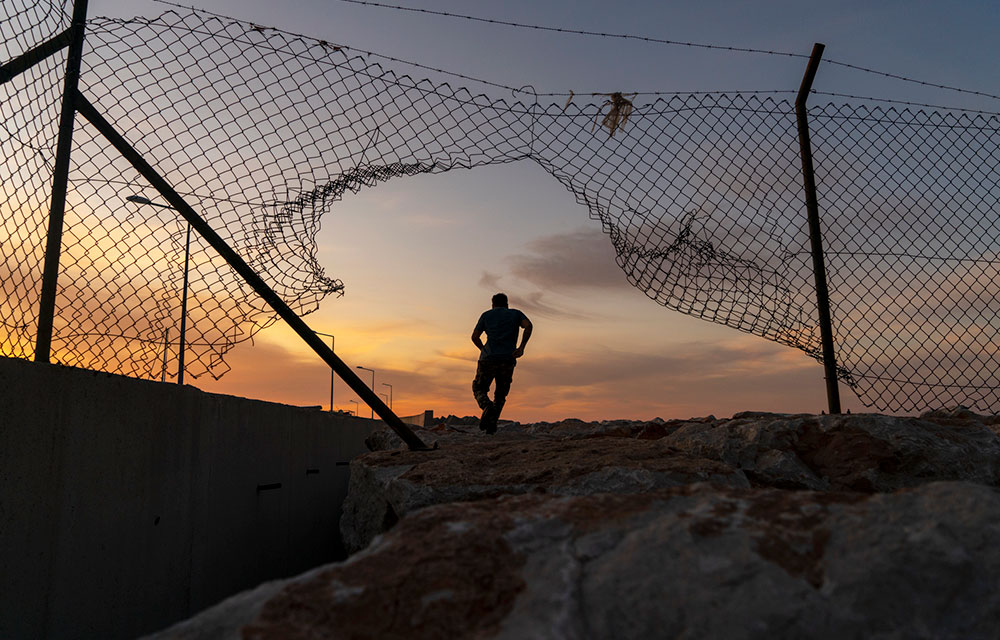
184 295
373 384
355 406
386 384
332 375
166 343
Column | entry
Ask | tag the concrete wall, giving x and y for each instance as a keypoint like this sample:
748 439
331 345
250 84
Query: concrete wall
424 419
126 505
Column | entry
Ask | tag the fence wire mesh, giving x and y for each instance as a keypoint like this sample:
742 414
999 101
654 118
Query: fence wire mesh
701 196
30 117
911 233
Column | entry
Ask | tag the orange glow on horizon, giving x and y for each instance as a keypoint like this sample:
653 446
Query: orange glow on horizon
548 385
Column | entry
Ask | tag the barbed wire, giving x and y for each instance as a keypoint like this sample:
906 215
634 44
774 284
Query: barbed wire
403 81
535 27
514 90
626 36
903 102
902 78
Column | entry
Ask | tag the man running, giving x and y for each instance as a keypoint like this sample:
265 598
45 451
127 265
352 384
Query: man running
498 357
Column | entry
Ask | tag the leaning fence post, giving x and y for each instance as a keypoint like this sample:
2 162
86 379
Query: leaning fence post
812 206
250 276
60 179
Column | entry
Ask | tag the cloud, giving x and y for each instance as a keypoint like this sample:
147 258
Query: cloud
578 259
691 379
490 281
695 360
273 372
533 303
696 379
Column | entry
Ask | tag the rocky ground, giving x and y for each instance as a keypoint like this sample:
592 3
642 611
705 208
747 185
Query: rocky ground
755 526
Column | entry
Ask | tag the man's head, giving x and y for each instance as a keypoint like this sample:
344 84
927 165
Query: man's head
500 300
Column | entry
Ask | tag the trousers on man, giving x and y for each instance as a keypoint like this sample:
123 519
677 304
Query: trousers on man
499 369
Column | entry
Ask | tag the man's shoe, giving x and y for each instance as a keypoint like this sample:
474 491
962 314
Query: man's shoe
484 420
488 423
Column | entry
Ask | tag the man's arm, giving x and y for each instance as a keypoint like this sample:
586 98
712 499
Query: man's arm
477 338
526 325
477 333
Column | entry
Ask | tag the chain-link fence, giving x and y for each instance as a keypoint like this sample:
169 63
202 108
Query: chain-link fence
28 125
701 196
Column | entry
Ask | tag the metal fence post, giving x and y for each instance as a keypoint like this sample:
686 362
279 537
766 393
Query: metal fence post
60 179
815 236
184 309
33 56
332 372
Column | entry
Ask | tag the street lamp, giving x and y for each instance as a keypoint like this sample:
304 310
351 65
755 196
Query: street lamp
373 384
355 406
184 295
386 384
332 376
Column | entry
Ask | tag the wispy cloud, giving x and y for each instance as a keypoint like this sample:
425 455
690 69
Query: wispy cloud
692 361
531 302
592 383
578 259
534 303
490 281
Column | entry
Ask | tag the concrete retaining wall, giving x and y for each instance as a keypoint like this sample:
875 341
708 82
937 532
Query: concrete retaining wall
424 419
126 505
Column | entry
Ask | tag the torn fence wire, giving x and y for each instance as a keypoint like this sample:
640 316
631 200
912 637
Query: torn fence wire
700 194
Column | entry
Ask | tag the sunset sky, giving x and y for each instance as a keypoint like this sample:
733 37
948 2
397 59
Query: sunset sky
421 256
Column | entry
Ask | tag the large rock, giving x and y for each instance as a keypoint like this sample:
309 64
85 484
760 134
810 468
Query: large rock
568 429
386 485
862 452
696 561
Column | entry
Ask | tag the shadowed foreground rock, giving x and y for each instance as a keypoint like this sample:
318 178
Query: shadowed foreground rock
386 485
758 526
862 452
696 561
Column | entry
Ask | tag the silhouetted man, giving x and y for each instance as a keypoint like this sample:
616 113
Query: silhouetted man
498 357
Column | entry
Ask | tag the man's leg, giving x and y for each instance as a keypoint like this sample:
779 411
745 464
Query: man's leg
481 389
504 376
481 385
